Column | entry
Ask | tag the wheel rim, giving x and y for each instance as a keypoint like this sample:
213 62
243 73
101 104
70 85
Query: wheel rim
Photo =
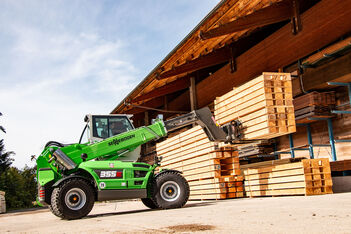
170 191
75 199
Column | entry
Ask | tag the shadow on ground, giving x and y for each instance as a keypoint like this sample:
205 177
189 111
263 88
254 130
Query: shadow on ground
199 204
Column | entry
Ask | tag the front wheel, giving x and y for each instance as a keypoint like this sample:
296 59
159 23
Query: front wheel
171 190
73 199
148 202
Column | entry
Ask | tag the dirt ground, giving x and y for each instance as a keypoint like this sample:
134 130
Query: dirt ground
314 214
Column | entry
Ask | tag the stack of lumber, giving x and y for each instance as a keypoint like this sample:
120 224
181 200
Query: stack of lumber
343 165
307 177
263 106
212 172
316 105
2 202
256 149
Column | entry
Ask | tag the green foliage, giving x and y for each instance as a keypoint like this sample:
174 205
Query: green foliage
5 158
20 187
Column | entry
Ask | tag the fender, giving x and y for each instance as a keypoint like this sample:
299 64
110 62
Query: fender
168 170
60 181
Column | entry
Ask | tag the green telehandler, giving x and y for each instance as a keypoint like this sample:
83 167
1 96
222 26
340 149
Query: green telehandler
71 177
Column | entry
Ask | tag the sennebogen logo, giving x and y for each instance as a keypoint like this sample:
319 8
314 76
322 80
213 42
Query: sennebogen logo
117 141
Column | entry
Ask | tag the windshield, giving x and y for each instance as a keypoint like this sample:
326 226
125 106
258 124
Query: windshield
107 126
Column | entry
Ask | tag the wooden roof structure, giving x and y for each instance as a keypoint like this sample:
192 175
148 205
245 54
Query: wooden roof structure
219 48
192 47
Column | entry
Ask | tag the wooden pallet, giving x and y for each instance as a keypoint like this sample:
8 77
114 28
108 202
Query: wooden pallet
212 172
263 105
308 177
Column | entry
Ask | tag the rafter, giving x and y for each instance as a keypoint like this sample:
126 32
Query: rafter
171 87
224 54
214 58
274 13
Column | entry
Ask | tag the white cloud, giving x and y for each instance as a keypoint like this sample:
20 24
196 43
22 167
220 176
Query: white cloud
61 78
63 59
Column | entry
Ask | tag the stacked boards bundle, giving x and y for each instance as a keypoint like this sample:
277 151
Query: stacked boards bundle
342 165
2 202
256 149
212 172
316 105
308 177
263 105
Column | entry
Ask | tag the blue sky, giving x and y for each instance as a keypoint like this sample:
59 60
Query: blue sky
63 59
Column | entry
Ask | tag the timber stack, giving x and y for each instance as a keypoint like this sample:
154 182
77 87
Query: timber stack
2 202
314 105
255 149
264 107
212 172
307 177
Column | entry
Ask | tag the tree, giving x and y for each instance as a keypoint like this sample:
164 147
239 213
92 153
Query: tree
5 157
20 187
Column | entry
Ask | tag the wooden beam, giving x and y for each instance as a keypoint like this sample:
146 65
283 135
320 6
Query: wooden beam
274 13
192 94
220 55
171 87
278 50
330 49
153 103
338 70
146 118
214 58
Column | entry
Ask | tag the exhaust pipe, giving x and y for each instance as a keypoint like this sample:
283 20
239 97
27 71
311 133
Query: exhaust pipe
64 160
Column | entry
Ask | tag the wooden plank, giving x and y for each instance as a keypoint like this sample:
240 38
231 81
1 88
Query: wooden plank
292 178
263 187
274 174
208 196
274 168
208 191
281 192
208 186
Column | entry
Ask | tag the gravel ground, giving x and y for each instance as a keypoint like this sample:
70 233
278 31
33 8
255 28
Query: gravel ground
313 214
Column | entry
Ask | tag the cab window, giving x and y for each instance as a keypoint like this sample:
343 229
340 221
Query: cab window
107 126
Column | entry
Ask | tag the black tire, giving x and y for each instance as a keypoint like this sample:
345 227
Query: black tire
73 199
55 212
170 190
148 202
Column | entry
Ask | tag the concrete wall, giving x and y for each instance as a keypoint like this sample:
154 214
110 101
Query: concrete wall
2 202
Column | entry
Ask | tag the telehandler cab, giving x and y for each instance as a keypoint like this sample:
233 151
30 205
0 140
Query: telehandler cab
71 177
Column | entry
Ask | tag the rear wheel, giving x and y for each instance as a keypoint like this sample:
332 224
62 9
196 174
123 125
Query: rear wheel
73 199
171 190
